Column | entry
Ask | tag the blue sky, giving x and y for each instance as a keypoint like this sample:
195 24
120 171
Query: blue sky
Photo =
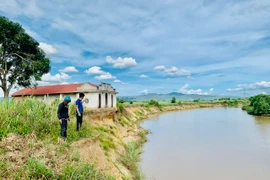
218 47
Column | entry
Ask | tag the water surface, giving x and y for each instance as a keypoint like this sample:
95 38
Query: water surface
207 144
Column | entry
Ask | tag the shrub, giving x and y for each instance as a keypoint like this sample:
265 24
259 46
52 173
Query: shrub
173 100
119 106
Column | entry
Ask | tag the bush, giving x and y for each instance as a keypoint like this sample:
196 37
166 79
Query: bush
119 106
120 100
173 100
259 105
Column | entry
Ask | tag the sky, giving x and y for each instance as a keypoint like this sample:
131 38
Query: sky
207 47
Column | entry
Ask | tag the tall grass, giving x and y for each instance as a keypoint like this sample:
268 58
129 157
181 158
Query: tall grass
33 116
131 158
37 169
82 171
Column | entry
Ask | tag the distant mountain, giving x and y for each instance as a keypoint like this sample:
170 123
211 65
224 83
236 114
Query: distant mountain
168 97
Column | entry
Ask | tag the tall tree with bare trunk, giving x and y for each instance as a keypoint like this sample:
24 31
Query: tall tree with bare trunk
22 62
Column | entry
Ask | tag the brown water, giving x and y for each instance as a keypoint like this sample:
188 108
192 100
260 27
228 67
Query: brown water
207 144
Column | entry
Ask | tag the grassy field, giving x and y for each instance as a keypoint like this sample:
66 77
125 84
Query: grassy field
34 118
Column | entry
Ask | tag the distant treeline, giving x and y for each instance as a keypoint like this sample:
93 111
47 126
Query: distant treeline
228 102
259 105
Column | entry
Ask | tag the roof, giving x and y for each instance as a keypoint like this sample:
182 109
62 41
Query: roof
51 89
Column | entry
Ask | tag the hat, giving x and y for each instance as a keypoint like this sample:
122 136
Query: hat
67 98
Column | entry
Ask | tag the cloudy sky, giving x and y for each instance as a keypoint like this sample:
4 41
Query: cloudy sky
219 47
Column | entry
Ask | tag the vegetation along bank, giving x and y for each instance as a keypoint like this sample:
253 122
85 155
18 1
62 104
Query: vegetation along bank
107 147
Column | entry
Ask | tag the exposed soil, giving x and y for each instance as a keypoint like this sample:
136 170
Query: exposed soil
17 149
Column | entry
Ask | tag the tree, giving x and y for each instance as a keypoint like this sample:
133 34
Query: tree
173 100
259 105
22 62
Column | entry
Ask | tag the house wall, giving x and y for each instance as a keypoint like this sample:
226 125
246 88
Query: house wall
92 100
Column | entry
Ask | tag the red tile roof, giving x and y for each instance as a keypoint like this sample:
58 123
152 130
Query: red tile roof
52 89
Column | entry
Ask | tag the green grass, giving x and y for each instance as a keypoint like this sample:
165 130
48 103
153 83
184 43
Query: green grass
102 129
4 167
131 158
38 170
106 142
33 116
83 171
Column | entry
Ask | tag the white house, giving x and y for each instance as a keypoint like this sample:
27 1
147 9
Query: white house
96 96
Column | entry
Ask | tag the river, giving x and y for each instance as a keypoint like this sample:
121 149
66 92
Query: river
207 144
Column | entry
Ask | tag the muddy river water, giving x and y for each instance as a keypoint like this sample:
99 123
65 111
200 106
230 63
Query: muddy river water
207 144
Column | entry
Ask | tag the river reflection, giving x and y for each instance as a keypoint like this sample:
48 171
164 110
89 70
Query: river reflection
207 144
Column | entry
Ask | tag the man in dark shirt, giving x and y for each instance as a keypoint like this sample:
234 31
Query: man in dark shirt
79 111
63 116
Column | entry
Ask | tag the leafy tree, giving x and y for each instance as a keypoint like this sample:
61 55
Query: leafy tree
173 100
120 100
22 62
153 102
259 105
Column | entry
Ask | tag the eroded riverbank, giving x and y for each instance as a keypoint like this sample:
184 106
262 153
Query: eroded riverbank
106 146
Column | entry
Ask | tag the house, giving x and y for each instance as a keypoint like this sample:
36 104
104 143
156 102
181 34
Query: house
96 96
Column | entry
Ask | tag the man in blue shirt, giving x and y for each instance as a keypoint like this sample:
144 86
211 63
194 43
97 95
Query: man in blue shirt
63 116
79 111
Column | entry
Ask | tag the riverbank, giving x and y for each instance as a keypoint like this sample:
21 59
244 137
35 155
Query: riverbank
108 146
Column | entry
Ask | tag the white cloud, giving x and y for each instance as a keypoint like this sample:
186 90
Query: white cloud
65 83
55 78
211 90
105 76
117 81
145 91
257 85
121 62
143 76
48 49
27 8
102 74
161 68
184 90
173 71
69 69
189 77
60 24
94 70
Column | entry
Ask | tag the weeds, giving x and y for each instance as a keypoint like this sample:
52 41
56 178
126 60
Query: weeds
131 157
37 170
33 116
82 171
4 167
106 142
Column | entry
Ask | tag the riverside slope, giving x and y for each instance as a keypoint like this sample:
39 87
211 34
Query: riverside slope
112 131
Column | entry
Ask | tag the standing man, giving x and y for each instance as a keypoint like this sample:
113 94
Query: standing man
79 111
63 116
